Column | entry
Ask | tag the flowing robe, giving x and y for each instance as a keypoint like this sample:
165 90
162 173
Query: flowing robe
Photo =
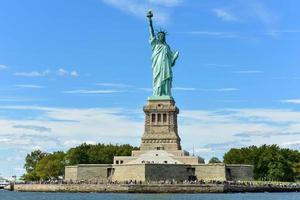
163 59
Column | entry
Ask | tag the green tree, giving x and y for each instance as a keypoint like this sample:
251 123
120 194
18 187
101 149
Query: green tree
296 170
214 160
40 165
201 160
270 162
78 155
51 167
280 169
31 161
97 154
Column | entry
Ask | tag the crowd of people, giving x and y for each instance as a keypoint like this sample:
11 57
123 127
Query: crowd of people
186 182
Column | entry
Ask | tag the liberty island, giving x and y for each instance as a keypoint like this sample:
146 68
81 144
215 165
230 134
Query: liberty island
160 165
160 157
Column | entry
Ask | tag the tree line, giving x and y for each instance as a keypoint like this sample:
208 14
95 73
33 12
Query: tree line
50 166
271 163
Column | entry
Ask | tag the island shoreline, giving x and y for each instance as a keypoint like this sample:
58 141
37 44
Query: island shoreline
149 188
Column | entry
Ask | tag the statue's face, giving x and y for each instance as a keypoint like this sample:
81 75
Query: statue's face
161 37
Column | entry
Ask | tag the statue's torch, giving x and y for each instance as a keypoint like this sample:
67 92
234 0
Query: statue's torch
149 14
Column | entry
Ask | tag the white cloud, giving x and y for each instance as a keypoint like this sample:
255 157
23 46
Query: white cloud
218 90
146 89
250 134
214 65
231 101
216 34
252 12
3 66
224 14
59 72
216 131
59 129
264 14
33 127
294 101
92 91
27 142
248 72
62 125
213 124
287 31
278 32
276 116
211 132
239 35
74 73
139 8
168 3
184 88
121 85
33 73
13 107
28 86
62 72
289 77
247 10
291 144
201 150
73 143
18 99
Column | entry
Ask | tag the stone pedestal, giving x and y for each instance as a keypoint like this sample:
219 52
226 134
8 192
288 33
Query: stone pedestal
161 131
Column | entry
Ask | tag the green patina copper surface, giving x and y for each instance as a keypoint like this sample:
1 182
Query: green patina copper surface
163 59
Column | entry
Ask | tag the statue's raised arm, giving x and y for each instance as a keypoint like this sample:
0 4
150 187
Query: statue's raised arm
151 30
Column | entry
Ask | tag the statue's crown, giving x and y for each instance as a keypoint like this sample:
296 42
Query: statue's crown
161 31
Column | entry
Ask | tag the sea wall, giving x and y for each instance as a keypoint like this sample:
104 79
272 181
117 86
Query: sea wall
118 188
93 172
239 172
210 172
70 188
249 188
152 188
129 172
169 188
71 173
158 172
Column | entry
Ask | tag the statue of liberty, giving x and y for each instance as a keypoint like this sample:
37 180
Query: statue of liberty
163 59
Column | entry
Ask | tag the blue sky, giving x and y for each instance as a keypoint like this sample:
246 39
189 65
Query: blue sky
79 71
